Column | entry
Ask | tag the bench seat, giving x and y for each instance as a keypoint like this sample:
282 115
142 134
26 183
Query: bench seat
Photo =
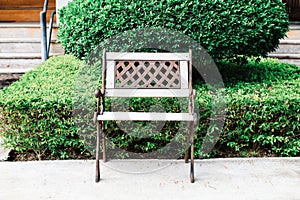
145 116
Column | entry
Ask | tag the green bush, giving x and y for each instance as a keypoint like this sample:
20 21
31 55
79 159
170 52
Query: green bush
36 111
262 119
263 110
225 29
262 115
266 71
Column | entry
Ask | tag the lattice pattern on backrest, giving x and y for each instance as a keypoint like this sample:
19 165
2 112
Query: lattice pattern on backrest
147 74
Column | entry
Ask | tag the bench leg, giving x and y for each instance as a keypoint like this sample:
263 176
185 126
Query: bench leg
192 176
186 156
103 143
188 138
97 178
190 150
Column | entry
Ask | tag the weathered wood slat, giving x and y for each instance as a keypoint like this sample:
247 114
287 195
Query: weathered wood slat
184 74
110 74
147 56
142 116
147 92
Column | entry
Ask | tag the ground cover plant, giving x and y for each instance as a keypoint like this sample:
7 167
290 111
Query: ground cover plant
262 116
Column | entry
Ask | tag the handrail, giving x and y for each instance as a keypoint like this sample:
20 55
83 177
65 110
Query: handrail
46 40
50 31
45 6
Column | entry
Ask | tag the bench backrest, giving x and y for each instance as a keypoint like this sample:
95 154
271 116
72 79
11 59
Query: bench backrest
147 74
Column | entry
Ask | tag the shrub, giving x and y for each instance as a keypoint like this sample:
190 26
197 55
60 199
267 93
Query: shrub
262 116
262 119
36 111
263 110
267 71
224 28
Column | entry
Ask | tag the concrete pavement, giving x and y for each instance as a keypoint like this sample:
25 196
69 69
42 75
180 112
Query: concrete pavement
253 178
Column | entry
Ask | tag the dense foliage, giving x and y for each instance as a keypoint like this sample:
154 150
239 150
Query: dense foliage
262 116
224 28
35 111
263 109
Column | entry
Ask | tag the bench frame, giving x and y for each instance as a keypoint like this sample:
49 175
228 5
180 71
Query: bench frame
125 75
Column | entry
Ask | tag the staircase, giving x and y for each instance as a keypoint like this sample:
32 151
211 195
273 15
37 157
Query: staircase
20 37
20 46
20 49
289 48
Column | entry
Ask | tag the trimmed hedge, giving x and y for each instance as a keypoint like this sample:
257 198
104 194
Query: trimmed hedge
35 111
263 114
262 117
224 28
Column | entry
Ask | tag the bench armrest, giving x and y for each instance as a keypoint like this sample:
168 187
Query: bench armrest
100 101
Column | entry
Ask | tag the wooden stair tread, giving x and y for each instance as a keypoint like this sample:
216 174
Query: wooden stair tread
24 10
40 8
25 2
22 15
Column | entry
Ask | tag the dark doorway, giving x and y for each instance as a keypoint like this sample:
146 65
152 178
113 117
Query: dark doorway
293 9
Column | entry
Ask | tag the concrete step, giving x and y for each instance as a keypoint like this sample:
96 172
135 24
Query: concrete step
27 45
20 65
291 61
293 33
20 46
287 58
288 46
20 62
20 56
24 55
284 55
23 30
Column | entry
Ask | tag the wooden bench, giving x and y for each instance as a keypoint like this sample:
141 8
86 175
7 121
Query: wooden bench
145 75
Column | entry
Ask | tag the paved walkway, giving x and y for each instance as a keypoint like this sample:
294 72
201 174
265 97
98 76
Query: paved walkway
272 178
